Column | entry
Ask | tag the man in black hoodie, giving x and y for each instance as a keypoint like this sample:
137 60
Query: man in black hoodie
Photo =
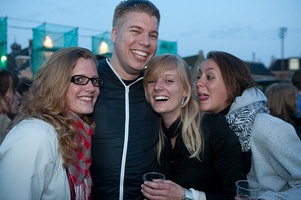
124 144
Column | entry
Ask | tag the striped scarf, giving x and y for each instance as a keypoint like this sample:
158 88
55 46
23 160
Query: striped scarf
241 122
78 173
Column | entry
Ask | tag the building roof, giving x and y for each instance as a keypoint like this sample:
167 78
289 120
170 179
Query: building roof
191 60
292 63
258 68
18 60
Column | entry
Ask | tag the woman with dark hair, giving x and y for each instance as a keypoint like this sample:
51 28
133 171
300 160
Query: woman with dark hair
47 152
225 85
9 100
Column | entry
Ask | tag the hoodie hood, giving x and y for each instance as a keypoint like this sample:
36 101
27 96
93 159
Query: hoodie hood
249 96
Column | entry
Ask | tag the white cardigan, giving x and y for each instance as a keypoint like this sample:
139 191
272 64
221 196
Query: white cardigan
31 165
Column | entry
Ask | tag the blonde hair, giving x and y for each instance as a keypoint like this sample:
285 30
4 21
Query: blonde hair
190 114
46 98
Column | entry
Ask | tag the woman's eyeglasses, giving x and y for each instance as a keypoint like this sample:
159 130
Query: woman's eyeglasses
83 80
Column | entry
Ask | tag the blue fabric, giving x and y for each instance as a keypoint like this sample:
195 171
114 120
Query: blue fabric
299 105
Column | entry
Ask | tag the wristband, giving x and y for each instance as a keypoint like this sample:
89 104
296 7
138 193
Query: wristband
187 195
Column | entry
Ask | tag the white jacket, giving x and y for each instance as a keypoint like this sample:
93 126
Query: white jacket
31 165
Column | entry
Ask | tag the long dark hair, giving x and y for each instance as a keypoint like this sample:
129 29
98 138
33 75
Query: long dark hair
236 73
8 83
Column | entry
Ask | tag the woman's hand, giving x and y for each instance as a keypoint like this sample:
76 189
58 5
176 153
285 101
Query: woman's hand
162 190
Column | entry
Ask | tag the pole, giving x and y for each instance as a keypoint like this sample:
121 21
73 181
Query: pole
282 36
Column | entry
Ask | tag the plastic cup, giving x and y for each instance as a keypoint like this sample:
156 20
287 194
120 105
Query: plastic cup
150 176
247 190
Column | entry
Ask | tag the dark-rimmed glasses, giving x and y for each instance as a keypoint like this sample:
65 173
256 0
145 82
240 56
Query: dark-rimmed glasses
83 80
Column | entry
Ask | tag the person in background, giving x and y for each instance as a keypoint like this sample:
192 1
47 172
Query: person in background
124 144
296 80
23 86
282 103
225 85
201 160
47 152
9 100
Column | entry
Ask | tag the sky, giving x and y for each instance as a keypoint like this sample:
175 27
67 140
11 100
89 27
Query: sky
248 29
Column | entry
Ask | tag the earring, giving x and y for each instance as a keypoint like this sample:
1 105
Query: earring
182 103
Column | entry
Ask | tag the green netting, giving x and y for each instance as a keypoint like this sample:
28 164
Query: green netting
3 42
102 44
166 47
48 38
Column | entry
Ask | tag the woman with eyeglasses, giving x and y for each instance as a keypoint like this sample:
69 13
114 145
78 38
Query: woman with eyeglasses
47 153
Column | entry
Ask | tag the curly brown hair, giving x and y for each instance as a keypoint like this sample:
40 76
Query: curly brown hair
46 98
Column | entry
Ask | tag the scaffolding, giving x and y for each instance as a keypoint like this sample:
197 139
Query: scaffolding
166 47
48 38
102 44
3 42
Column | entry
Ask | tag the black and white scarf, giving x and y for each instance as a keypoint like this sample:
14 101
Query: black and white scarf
241 122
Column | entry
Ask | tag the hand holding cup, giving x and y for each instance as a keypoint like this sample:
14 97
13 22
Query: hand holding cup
151 176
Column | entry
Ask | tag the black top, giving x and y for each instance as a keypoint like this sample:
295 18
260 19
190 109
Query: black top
115 140
222 161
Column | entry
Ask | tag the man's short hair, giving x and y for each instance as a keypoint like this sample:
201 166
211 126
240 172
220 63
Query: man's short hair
127 6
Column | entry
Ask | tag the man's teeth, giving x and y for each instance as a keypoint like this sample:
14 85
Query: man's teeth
140 53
